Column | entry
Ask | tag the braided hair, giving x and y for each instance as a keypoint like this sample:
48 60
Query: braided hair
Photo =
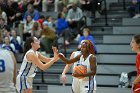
90 46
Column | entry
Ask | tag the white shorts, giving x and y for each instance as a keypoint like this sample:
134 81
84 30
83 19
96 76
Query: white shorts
23 82
83 86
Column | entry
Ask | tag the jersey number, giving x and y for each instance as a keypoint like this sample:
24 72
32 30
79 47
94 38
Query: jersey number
2 66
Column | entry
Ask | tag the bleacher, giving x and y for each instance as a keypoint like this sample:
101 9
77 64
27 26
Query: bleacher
114 53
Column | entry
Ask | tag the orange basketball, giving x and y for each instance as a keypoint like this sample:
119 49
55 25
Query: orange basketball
80 70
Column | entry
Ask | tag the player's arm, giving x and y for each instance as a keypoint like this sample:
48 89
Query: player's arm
15 70
35 60
67 67
45 59
93 65
69 61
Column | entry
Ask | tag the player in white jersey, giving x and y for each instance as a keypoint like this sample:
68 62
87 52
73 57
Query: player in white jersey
68 66
7 71
32 59
88 59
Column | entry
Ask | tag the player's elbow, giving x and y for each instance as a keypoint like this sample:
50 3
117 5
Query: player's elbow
94 73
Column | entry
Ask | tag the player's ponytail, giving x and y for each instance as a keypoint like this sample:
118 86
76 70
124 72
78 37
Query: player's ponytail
27 44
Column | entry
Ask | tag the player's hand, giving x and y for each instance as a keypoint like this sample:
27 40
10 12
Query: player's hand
61 55
55 51
75 74
63 78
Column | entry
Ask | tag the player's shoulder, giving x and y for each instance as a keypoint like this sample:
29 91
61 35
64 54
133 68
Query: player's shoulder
92 56
76 52
30 52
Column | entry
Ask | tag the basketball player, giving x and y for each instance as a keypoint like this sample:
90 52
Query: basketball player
135 45
88 59
68 66
7 72
32 59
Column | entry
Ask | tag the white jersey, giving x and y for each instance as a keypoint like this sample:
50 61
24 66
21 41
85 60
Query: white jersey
76 53
28 68
85 62
87 84
6 72
27 71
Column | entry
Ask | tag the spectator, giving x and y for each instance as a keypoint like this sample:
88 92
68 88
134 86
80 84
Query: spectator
74 15
47 40
3 15
7 45
24 5
41 20
50 21
37 4
59 4
62 28
45 4
36 30
6 32
16 40
73 18
86 5
2 23
31 11
134 9
28 25
13 12
87 36
8 72
65 11
137 8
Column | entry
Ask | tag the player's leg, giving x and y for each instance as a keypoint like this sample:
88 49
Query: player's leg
24 84
75 86
27 91
29 83
88 86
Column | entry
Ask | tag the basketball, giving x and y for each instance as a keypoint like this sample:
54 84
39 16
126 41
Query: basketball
80 70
